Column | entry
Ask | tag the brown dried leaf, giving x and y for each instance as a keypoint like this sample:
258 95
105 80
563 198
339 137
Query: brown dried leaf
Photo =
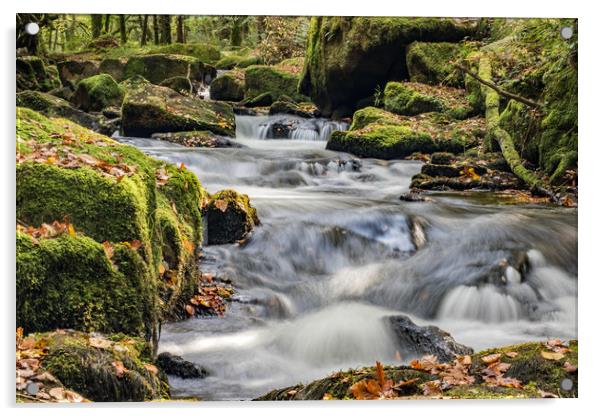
554 356
488 359
221 204
120 369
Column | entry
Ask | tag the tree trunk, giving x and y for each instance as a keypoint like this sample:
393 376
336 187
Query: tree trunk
144 29
107 23
165 26
155 29
180 30
236 33
96 25
260 26
122 29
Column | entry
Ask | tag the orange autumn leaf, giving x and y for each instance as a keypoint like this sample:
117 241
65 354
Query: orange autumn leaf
221 204
120 369
108 248
189 246
189 310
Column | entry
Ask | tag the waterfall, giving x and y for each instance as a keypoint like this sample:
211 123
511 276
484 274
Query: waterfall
286 127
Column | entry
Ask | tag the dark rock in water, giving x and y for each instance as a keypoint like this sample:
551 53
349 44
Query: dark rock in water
414 197
416 341
197 139
174 365
227 87
112 112
244 111
230 217
440 170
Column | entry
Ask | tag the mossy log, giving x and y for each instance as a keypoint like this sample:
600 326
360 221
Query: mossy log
501 136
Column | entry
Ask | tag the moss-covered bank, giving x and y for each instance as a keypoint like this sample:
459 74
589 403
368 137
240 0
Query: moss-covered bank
130 261
537 369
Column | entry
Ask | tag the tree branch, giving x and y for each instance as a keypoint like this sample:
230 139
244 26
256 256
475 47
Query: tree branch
494 87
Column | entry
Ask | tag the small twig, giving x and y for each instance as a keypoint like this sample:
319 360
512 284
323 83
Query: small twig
500 91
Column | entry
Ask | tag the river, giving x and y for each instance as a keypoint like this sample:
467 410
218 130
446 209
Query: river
337 252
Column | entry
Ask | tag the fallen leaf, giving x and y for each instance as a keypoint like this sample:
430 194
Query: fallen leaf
432 388
108 248
547 395
120 369
488 359
190 310
327 396
511 354
221 204
57 393
555 356
569 368
151 369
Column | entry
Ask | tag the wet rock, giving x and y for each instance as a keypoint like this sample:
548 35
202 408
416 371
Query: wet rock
417 227
416 341
440 170
230 217
288 107
174 365
262 100
197 139
149 108
414 197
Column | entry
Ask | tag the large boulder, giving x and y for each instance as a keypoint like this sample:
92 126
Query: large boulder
117 253
228 87
149 108
415 341
97 92
230 217
57 107
410 98
174 365
237 61
348 57
115 67
277 81
380 134
159 67
71 71
34 74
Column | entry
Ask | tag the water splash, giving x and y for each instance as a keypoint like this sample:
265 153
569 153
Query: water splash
286 127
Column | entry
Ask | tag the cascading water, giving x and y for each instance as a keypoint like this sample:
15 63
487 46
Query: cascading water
337 252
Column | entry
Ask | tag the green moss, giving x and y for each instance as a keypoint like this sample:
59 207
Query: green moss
228 87
429 62
34 74
237 61
378 133
91 372
149 109
260 79
412 98
230 217
165 219
98 92
69 282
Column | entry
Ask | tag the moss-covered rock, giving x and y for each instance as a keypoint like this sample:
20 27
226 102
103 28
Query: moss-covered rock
262 100
230 217
34 74
365 52
201 51
287 106
53 106
237 61
115 67
429 62
158 67
539 377
149 109
228 87
261 79
102 368
409 98
97 92
147 214
73 70
384 135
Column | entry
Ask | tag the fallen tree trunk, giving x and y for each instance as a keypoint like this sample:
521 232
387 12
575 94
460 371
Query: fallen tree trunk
501 136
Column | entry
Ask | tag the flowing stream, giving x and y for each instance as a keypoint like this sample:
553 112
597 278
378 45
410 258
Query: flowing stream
337 252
